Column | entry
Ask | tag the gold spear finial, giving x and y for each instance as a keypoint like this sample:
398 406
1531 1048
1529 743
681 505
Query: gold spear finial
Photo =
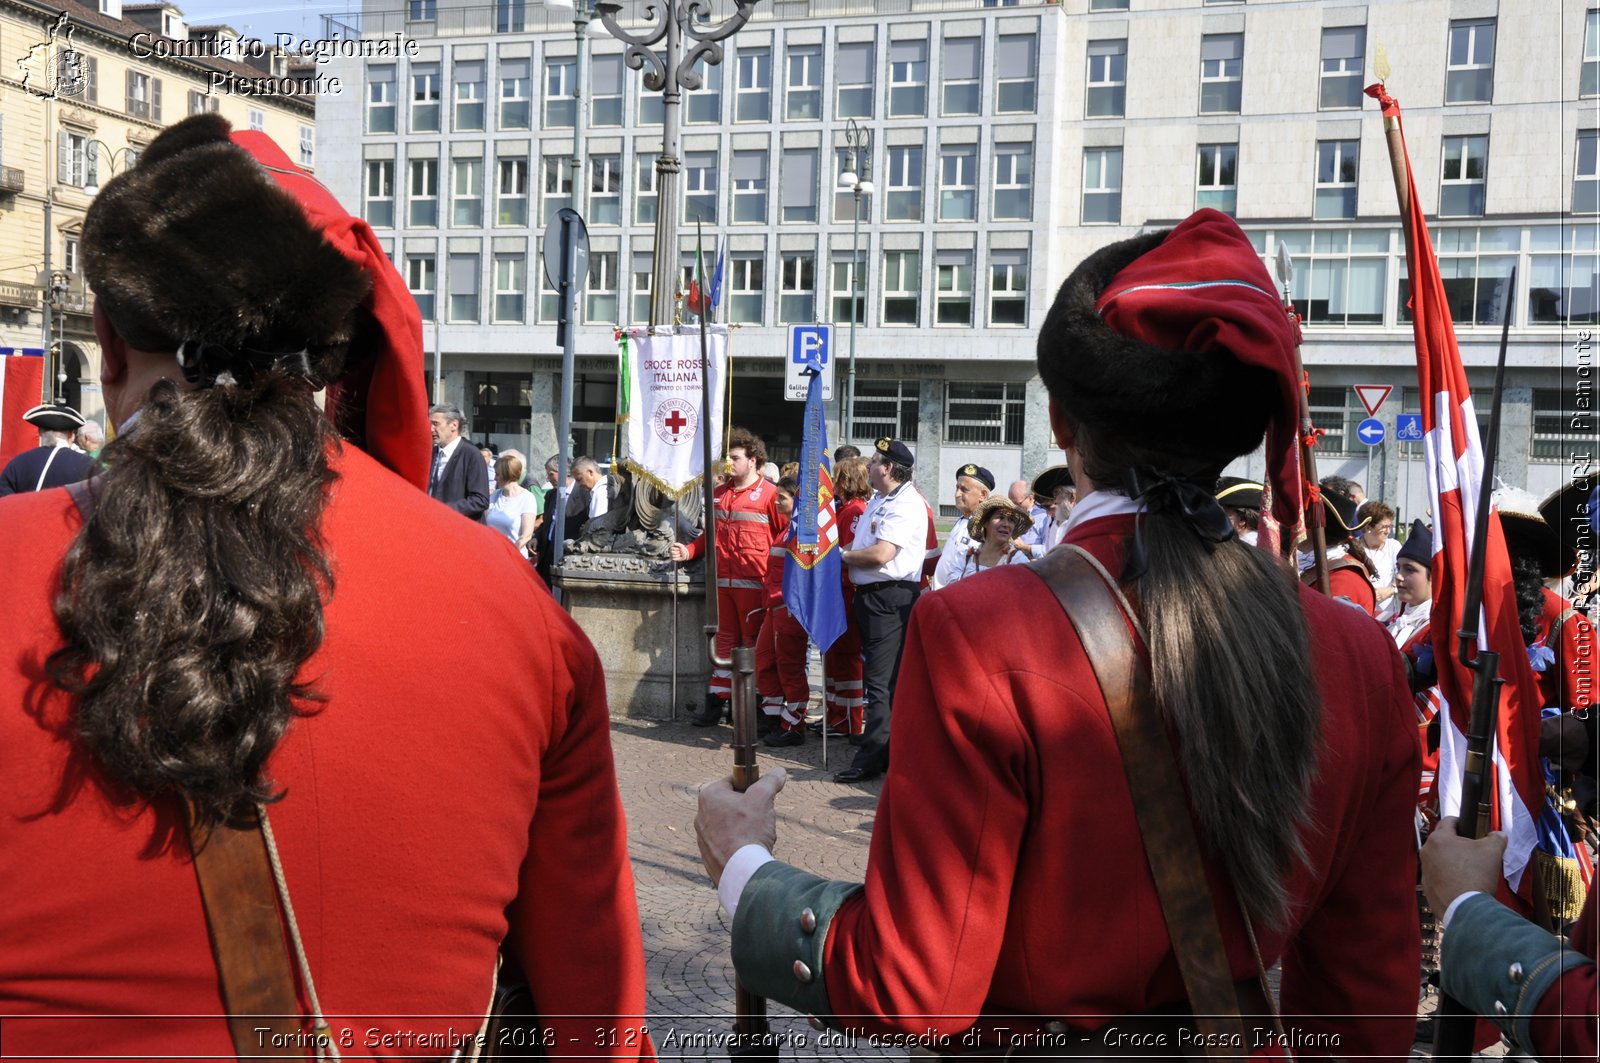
1380 63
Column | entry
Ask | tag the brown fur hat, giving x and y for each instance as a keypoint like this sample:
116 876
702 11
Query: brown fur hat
197 242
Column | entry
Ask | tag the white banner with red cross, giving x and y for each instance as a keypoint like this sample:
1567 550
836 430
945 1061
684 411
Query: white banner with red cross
667 421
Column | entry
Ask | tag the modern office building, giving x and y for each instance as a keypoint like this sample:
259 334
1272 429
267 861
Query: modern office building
84 88
1007 140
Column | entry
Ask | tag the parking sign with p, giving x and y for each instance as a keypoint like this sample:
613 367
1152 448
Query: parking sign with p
808 343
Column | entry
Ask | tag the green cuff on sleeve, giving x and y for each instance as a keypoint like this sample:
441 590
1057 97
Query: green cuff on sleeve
779 931
1500 965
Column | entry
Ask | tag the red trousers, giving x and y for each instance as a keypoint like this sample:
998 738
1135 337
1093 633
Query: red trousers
781 668
739 613
841 665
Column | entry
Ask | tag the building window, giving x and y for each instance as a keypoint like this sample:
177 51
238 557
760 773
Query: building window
643 264
560 105
1589 82
799 185
421 278
853 73
908 79
1344 50
958 182
1108 5
1108 79
703 106
980 412
903 201
844 200
466 192
1586 174
1018 74
601 298
797 288
380 99
91 80
512 192
605 190
1464 176
1329 408
510 16
845 290
1339 274
422 10
1008 287
144 96
803 96
1469 75
1563 425
750 186
425 94
885 408
605 78
902 287
952 295
514 97
202 102
1475 265
651 107
71 255
469 95
753 96
1013 182
700 186
550 305
1336 178
644 188
424 192
1221 72
961 68
557 186
257 119
510 287
1217 183
308 146
746 288
76 163
379 206
1102 186
464 288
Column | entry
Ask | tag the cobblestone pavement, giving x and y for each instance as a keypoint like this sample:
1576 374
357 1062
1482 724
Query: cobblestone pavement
823 827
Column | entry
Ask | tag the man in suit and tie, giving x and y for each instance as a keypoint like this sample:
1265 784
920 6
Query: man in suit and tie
459 479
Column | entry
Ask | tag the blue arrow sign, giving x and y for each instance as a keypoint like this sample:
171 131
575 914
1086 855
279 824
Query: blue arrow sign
1370 431
1408 428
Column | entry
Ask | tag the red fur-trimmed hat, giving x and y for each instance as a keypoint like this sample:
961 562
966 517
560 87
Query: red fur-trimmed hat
1177 342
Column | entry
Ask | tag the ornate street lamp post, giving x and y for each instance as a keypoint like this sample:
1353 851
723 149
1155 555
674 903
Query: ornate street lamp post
856 179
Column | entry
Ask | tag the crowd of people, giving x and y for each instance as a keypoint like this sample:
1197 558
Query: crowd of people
240 726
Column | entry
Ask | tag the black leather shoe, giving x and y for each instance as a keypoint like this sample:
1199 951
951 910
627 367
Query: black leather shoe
786 738
836 732
766 724
710 714
855 775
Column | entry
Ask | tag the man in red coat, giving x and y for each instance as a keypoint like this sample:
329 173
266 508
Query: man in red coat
748 523
1006 893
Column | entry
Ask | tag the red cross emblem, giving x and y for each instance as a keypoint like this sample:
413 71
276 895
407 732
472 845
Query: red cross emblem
674 421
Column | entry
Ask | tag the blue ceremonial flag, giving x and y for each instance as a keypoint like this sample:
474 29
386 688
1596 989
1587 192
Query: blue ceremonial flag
716 274
812 572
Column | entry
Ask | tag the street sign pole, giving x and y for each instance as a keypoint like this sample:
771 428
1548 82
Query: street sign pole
566 259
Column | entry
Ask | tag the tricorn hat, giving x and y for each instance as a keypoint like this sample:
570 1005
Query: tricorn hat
1343 519
1177 343
1022 520
1047 483
1236 492
1574 513
978 473
55 417
1528 533
1418 546
895 451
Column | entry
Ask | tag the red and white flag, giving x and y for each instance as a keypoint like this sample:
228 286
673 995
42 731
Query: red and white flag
1454 457
21 384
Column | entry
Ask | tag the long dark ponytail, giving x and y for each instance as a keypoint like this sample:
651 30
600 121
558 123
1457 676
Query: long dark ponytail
193 596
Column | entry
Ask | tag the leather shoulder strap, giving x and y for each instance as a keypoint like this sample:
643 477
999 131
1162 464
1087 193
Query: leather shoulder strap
1159 804
241 903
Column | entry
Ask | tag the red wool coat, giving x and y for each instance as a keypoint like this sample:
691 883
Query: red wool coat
1569 681
459 772
1006 872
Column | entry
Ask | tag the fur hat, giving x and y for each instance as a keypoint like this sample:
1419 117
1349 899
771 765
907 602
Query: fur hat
218 240
1176 343
1528 533
1021 519
1418 546
978 473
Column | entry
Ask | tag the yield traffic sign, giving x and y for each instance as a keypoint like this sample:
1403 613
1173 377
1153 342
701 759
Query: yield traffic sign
1372 396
